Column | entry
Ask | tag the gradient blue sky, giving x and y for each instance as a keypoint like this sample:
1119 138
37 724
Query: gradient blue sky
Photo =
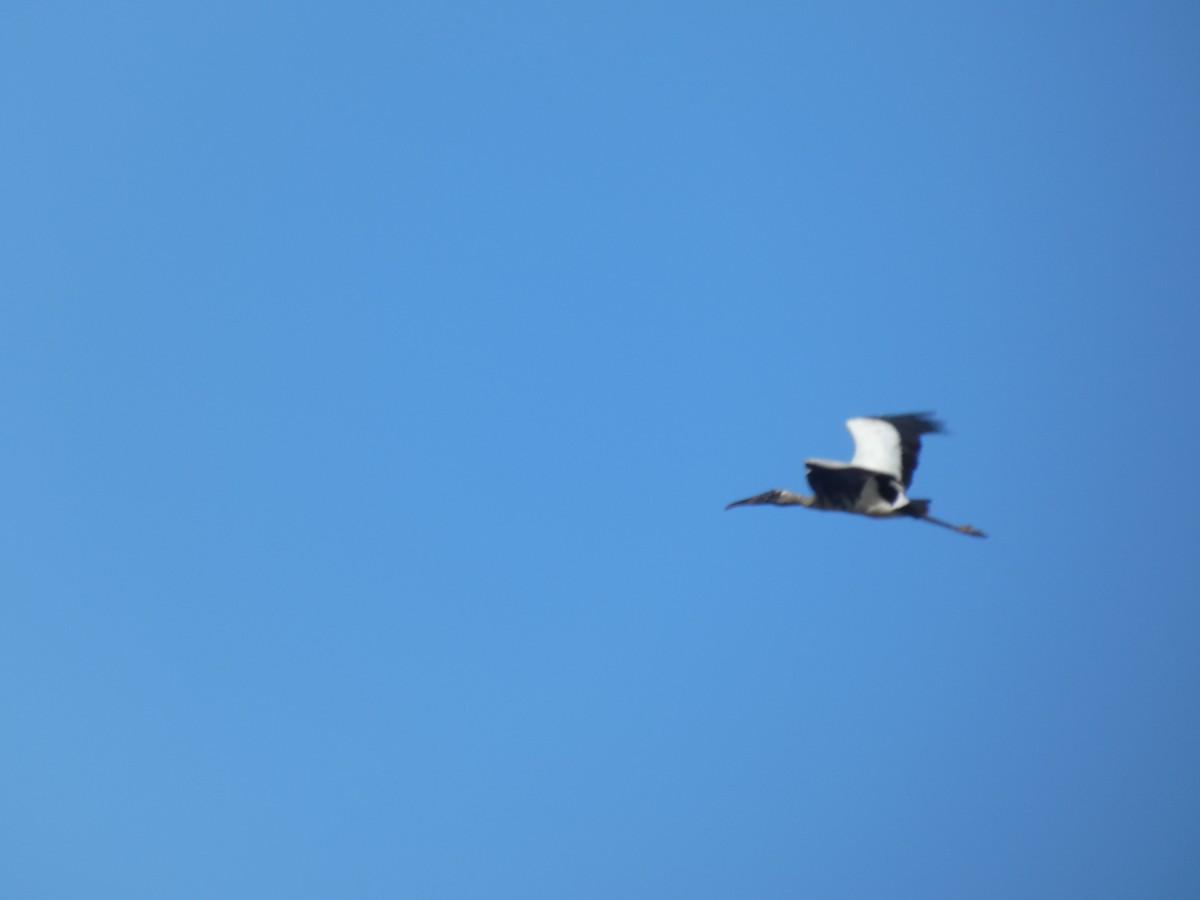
374 375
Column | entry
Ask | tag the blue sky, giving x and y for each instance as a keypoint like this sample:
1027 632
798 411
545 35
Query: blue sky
374 376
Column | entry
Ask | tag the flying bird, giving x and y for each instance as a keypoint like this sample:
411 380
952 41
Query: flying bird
875 481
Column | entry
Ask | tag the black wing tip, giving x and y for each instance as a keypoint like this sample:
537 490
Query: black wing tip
915 422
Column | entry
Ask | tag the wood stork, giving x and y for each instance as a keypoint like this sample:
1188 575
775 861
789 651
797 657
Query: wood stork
874 482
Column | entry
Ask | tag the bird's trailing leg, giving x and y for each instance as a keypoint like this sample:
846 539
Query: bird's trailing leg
778 497
961 529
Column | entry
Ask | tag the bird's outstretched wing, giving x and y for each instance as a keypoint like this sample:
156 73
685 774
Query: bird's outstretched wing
891 444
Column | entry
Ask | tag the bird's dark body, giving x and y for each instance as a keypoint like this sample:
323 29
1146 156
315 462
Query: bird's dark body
847 488
856 490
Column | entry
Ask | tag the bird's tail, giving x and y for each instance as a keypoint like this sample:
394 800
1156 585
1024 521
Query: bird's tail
918 509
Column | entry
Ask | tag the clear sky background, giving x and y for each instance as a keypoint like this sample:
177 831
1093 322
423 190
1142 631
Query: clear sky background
374 376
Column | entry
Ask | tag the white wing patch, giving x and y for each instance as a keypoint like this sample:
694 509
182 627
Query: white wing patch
876 446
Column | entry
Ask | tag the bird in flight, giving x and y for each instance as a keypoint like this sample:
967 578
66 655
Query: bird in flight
875 481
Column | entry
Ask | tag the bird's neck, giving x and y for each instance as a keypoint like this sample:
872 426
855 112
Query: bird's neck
797 499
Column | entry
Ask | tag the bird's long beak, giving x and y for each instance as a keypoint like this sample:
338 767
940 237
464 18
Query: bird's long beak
757 498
